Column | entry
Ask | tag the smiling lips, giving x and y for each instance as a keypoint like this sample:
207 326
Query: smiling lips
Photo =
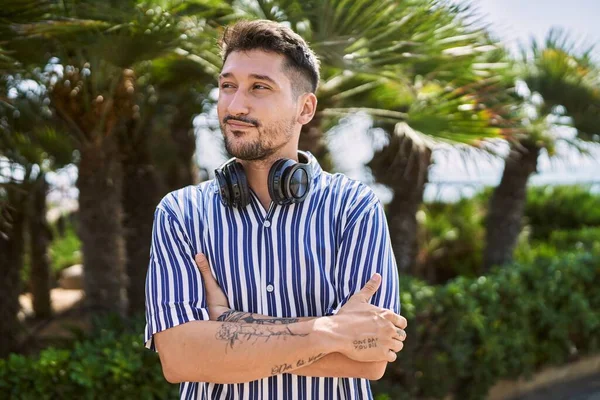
235 124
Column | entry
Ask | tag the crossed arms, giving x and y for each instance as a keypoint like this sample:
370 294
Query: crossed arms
236 347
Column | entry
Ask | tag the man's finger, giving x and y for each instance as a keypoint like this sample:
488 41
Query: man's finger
369 289
209 281
214 294
401 334
396 319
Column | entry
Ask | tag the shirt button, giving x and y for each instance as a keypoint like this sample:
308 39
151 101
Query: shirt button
270 288
267 224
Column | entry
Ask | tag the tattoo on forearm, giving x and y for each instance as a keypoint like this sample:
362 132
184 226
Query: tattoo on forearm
234 333
246 317
280 369
364 344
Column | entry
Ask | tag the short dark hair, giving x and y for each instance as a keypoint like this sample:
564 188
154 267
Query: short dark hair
274 37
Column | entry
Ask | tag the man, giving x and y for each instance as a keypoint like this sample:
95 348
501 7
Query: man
254 285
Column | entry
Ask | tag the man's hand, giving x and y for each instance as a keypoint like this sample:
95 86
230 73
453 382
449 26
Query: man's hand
359 302
366 332
215 298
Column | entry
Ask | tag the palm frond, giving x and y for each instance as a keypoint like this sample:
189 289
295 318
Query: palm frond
563 73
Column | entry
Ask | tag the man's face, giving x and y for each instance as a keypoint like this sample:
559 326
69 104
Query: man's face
257 111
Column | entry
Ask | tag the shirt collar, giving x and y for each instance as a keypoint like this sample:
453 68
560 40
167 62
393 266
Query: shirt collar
313 163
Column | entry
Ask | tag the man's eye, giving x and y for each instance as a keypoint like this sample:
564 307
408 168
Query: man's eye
226 85
258 86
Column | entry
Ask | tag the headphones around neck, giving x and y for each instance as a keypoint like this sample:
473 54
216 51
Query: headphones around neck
289 181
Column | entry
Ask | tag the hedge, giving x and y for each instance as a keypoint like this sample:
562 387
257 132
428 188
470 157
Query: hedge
462 338
465 336
109 366
551 208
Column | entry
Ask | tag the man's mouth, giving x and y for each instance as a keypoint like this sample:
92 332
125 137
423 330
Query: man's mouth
240 122
239 125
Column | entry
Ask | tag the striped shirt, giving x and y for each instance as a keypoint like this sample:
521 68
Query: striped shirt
299 260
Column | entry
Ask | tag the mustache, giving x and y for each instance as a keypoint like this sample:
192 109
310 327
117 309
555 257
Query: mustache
246 120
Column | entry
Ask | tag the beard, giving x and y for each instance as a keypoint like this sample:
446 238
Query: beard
264 146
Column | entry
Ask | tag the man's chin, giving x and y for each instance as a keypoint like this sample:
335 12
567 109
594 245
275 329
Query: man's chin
246 155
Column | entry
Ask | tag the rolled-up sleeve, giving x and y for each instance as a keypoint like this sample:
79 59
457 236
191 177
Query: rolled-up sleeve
364 250
174 290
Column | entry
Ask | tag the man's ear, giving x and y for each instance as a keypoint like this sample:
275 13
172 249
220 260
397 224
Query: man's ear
308 102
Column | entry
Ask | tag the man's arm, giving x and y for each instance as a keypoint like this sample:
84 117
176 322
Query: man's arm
334 365
225 352
233 352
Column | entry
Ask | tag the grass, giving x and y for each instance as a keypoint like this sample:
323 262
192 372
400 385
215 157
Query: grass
64 251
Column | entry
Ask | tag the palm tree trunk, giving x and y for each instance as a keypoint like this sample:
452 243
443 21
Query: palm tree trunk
182 170
401 214
507 204
100 227
403 166
40 236
11 262
141 194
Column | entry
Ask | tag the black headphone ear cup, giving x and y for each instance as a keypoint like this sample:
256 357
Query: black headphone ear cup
244 191
297 182
275 181
238 183
224 189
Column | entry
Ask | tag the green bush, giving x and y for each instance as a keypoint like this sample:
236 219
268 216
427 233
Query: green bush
110 365
582 239
64 251
551 208
451 238
465 336
585 239
462 338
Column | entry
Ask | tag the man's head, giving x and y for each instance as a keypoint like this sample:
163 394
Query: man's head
301 64
267 88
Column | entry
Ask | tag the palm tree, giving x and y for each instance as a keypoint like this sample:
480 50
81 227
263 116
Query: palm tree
28 148
12 222
178 86
567 80
396 61
449 90
95 48
12 226
40 236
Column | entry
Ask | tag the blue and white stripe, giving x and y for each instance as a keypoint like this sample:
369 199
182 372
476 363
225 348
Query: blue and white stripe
301 260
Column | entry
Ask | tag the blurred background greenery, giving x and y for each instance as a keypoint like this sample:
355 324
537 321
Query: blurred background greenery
496 284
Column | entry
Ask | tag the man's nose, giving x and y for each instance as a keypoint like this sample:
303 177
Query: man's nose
238 104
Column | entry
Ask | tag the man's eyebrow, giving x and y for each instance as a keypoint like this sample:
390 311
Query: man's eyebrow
255 76
263 78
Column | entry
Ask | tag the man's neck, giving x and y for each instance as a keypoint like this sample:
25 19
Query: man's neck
257 173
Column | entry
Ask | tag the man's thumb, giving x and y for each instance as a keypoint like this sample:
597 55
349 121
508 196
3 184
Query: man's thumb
370 287
202 263
214 293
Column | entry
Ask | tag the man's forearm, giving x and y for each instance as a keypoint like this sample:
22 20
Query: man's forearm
331 365
225 352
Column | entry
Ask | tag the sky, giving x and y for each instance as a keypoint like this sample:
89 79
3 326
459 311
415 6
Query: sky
516 21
